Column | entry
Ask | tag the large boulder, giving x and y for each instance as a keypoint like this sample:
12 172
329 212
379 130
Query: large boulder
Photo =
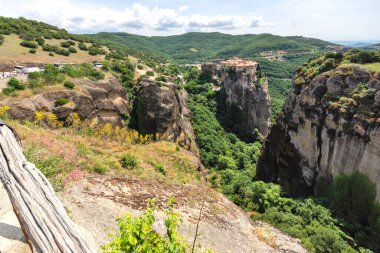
101 101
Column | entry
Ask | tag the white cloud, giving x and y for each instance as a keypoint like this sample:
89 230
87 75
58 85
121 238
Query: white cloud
138 18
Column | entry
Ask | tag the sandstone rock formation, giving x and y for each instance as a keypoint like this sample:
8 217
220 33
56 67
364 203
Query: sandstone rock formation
102 101
247 96
330 124
160 108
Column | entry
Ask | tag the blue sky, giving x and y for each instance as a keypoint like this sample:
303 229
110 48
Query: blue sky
325 19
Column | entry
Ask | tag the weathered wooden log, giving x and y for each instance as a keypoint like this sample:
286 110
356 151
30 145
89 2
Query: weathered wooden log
42 216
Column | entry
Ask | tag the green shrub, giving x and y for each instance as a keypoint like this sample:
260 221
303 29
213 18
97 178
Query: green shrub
62 51
161 79
68 84
29 44
92 50
160 168
82 46
65 44
51 54
136 234
140 66
32 51
96 74
61 101
15 84
100 169
150 73
8 91
128 161
72 50
40 41
52 75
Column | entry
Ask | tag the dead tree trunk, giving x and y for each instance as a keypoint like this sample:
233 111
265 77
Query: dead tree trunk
42 217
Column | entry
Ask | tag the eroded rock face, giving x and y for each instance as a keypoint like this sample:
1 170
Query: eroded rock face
102 102
329 125
247 96
160 108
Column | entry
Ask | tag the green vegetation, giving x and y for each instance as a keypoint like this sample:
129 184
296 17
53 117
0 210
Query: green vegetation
128 161
232 167
29 44
68 84
13 85
353 199
137 234
61 101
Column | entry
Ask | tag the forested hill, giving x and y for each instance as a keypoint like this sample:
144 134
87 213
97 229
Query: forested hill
198 47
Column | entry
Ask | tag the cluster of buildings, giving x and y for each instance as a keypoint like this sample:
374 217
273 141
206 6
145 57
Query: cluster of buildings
19 71
22 70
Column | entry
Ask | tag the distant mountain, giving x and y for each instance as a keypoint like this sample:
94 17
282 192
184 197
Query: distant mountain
356 43
373 47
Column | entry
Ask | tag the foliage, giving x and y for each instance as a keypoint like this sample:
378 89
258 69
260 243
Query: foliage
353 198
363 56
32 51
60 102
15 84
68 84
29 44
128 161
3 110
137 234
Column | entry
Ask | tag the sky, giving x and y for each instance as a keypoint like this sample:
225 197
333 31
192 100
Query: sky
333 20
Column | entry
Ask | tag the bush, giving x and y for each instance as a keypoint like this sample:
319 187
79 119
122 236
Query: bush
137 234
72 50
60 102
32 51
128 161
15 84
51 54
8 91
62 51
140 66
82 46
96 74
150 73
161 79
92 50
40 41
70 85
160 168
65 44
29 44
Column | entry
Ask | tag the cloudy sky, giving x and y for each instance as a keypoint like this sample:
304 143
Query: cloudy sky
326 19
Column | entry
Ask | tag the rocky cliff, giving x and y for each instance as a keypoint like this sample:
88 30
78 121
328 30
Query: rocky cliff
247 97
329 125
160 108
102 101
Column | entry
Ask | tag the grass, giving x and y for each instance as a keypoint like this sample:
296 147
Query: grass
60 157
373 67
12 52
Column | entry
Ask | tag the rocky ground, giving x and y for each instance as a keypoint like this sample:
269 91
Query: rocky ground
95 201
